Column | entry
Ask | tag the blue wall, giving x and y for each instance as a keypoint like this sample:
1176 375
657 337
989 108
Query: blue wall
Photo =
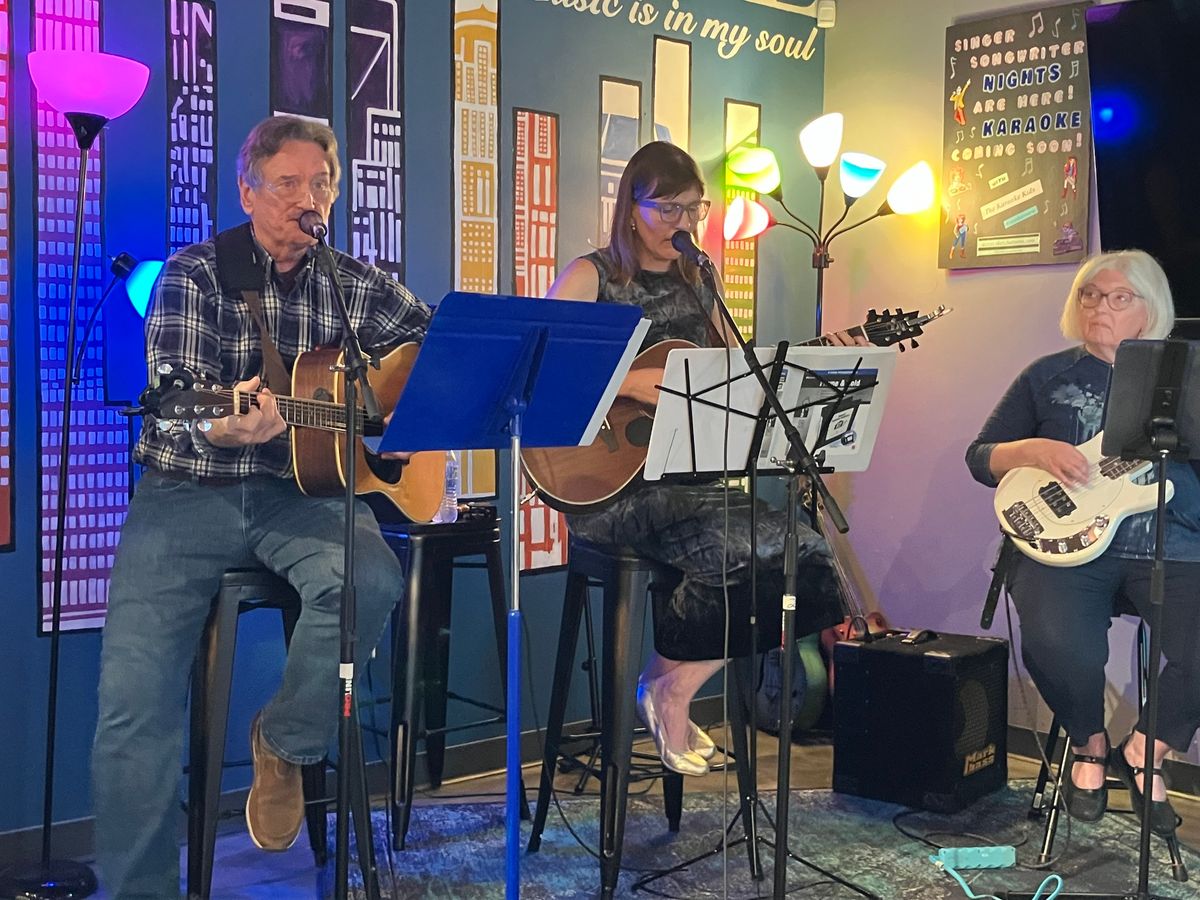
551 59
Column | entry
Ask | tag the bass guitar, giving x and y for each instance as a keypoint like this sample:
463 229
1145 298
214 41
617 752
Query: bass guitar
1063 525
316 411
586 479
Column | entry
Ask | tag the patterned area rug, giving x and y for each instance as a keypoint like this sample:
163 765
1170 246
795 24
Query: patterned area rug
457 851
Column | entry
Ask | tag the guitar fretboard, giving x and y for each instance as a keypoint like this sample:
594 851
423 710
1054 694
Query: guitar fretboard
321 414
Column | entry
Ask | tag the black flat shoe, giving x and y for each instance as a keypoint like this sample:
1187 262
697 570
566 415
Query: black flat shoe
1162 814
1087 804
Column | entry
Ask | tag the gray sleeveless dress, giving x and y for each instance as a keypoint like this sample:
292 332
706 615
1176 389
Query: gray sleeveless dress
683 525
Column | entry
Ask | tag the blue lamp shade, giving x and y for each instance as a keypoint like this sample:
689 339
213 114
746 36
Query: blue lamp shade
858 173
140 284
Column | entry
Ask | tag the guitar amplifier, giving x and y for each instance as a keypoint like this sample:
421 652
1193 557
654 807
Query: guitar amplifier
921 719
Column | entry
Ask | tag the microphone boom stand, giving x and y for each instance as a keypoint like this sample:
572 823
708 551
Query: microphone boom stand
799 461
354 369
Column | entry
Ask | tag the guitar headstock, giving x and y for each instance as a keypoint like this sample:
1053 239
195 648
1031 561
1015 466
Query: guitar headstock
888 328
180 396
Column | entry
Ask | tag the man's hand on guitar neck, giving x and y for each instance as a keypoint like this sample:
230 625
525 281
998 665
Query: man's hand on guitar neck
257 426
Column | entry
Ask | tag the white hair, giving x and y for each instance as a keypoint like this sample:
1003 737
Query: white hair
1143 273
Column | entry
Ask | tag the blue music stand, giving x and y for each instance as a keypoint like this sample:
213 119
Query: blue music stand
498 371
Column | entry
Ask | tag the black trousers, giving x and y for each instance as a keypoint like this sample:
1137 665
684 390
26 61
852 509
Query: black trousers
688 527
1065 616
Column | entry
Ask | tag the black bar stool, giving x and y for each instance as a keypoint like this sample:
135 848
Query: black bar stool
625 578
1048 803
421 646
241 591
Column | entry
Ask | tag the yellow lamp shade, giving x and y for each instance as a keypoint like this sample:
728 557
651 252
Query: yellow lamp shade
820 140
754 168
912 192
746 219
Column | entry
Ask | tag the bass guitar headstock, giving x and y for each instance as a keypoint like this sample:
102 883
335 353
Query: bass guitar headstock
883 329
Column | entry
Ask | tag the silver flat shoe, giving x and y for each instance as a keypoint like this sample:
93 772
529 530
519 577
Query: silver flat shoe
699 742
685 763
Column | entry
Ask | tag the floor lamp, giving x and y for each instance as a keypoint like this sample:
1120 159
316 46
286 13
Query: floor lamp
89 89
755 169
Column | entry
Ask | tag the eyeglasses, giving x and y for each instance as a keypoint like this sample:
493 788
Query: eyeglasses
671 212
1121 298
292 188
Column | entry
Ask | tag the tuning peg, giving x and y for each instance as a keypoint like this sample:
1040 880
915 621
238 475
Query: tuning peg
164 369
204 425
901 346
164 425
914 343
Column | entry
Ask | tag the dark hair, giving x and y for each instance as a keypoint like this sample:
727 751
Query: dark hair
658 169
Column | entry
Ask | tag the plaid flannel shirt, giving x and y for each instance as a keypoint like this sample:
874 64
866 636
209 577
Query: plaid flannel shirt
192 323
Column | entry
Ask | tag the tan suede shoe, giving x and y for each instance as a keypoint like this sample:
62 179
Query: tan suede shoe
275 807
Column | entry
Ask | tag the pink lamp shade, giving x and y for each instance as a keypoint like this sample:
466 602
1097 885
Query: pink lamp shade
79 81
746 219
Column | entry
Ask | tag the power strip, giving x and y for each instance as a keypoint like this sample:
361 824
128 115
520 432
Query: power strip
1001 857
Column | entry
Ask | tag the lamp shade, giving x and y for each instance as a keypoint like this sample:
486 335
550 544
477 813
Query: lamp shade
140 284
746 219
821 139
912 192
858 173
752 167
78 81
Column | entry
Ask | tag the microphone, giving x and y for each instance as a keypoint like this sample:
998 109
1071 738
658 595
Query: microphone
312 224
683 242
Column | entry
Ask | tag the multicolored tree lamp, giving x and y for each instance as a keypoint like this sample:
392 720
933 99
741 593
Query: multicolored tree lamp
89 89
757 169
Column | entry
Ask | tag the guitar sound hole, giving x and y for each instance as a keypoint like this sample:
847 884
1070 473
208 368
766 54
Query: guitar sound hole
637 432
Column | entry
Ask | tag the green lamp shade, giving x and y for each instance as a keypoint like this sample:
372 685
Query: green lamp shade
754 168
746 219
859 173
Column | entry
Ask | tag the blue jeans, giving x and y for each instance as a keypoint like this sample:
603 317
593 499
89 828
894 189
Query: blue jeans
177 541
1065 615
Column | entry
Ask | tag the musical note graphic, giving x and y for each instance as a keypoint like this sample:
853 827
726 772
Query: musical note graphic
1056 21
976 227
1074 19
1074 67
1046 208
958 136
1028 166
979 173
1035 24
1064 210
972 131
953 60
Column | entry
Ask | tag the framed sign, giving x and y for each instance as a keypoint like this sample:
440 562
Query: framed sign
1016 140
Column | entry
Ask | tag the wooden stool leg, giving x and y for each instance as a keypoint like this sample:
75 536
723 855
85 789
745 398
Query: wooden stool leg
211 708
624 610
568 637
495 570
405 714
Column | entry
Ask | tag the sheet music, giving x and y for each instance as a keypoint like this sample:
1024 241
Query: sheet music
845 387
614 383
842 390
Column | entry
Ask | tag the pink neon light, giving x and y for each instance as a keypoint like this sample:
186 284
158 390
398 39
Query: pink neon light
746 219
77 81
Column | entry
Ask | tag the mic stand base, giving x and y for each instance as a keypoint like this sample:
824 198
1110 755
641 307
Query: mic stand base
59 879
759 841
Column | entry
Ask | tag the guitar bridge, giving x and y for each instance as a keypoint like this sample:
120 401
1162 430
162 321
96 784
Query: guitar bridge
1023 522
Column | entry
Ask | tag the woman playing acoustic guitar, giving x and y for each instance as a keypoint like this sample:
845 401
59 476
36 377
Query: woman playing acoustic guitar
661 192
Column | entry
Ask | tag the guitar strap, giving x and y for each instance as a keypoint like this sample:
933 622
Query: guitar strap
240 272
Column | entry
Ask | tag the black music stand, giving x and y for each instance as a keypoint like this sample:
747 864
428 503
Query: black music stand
715 418
497 372
1150 414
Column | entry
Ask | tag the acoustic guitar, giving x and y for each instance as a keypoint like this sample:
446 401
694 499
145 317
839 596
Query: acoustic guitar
586 479
316 411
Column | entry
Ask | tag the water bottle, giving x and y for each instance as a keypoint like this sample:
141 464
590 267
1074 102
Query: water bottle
448 511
